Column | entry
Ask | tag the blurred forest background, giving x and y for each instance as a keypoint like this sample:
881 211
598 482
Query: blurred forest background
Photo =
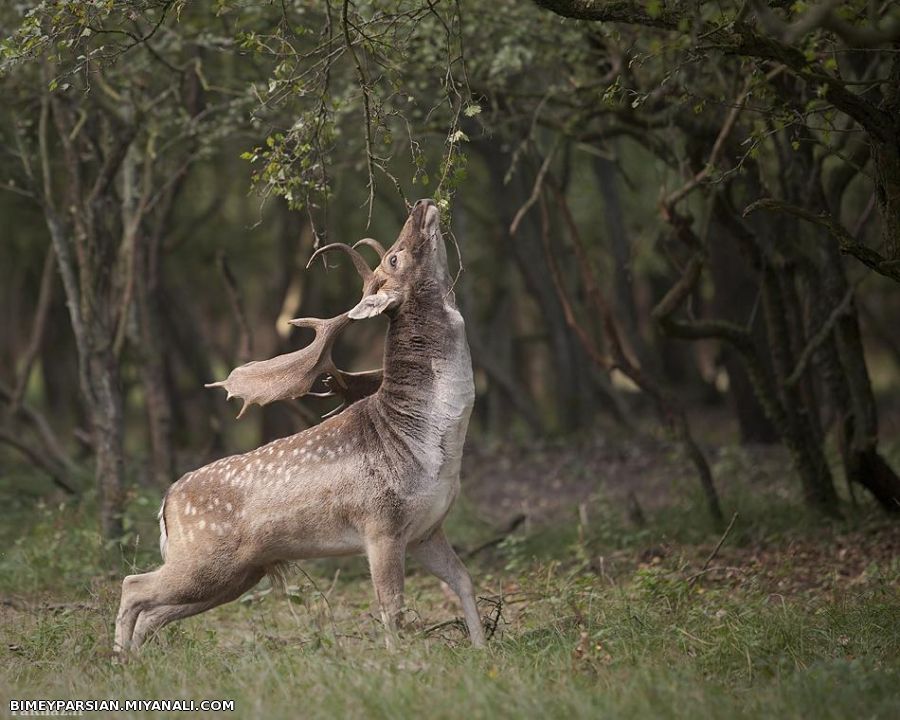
676 219
678 234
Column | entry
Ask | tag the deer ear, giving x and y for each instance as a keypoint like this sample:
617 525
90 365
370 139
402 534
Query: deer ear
372 305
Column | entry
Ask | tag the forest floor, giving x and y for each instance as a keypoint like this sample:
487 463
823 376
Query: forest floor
610 596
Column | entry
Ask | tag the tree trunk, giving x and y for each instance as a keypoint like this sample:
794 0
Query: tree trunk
620 249
864 465
887 193
735 297
59 375
152 365
198 407
797 435
575 392
98 380
493 343
107 432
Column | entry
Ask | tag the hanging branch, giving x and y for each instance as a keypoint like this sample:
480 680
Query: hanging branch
367 109
668 205
535 190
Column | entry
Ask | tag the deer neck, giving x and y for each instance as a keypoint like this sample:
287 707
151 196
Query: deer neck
428 388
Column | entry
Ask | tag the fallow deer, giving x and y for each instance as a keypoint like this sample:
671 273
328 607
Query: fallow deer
378 478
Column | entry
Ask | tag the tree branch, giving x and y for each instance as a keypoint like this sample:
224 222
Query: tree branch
618 11
669 411
38 459
245 347
846 242
737 38
45 296
823 333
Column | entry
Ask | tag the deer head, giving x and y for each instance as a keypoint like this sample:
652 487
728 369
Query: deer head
416 262
414 265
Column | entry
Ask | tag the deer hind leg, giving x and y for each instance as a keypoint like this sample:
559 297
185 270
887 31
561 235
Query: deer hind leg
174 593
153 619
137 592
387 564
437 556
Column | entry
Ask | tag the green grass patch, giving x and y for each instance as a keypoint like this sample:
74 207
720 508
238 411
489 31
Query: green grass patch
606 619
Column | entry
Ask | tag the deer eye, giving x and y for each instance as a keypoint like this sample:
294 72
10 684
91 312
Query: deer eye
393 261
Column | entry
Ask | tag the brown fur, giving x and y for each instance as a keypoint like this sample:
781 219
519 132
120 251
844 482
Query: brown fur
376 479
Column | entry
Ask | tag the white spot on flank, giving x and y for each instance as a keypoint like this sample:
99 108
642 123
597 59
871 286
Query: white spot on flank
216 501
202 524
190 536
228 507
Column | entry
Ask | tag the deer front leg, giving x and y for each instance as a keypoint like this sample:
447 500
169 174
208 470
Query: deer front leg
386 563
437 557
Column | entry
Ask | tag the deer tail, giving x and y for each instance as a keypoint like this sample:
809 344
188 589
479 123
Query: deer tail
163 535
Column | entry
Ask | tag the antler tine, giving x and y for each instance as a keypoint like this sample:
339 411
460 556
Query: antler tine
291 375
312 323
359 262
372 243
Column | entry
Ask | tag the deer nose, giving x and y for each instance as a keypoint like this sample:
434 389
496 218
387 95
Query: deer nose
420 210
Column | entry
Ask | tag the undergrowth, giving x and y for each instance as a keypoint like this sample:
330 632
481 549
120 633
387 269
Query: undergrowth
588 617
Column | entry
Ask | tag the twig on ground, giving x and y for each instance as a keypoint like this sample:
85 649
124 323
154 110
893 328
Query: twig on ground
496 616
455 622
712 556
511 528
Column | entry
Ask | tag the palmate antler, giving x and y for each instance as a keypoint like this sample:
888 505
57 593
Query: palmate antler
293 374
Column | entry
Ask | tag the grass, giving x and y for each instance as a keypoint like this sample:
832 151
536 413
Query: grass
600 620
